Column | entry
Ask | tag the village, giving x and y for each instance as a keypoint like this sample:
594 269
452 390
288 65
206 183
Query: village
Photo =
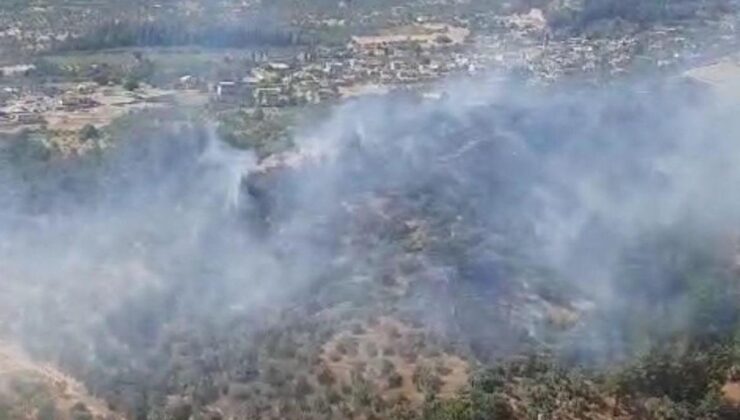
407 57
309 77
410 57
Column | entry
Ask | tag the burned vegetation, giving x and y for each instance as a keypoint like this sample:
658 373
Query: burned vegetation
396 265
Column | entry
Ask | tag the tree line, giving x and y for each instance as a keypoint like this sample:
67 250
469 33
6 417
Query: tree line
116 34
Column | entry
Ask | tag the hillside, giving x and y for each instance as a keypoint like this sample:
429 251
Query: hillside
30 390
389 296
330 210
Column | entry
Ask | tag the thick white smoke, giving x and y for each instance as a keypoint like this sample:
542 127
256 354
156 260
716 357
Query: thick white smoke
174 225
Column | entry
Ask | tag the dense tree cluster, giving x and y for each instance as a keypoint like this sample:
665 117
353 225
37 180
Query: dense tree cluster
174 32
581 13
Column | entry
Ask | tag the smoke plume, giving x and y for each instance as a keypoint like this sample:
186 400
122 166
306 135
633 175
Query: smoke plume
490 193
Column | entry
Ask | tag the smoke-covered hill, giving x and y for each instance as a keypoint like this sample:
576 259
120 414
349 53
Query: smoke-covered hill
382 267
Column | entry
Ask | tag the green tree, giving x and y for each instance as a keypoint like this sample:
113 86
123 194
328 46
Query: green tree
89 132
131 84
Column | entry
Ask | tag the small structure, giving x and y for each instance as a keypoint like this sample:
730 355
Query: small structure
71 102
27 118
334 68
86 88
381 45
234 92
17 70
409 38
270 96
189 82
278 67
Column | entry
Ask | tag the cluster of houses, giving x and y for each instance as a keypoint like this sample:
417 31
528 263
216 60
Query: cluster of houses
328 73
23 110
67 107
275 84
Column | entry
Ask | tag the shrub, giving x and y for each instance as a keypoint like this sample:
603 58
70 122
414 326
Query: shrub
371 349
395 380
387 367
358 329
239 391
131 84
443 370
326 377
302 387
89 132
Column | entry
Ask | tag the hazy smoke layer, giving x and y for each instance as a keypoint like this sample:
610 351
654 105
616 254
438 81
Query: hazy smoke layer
101 256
